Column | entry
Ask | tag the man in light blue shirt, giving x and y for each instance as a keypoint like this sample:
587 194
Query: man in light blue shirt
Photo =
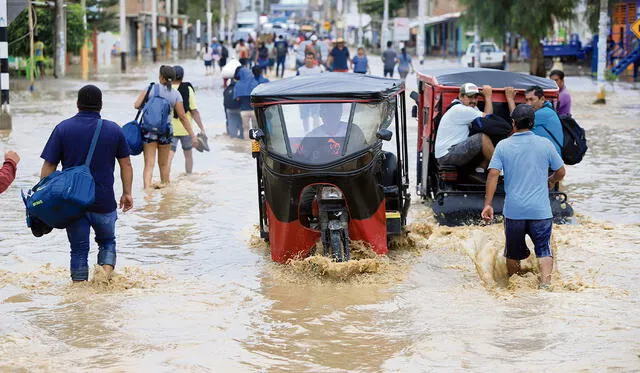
525 159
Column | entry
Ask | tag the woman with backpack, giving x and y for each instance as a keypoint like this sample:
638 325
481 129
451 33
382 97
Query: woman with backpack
160 101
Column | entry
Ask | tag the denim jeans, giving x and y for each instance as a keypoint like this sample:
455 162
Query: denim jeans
104 226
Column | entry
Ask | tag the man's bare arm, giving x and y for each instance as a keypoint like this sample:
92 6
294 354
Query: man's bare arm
47 169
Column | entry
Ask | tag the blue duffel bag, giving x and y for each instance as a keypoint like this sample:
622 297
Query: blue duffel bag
133 130
64 196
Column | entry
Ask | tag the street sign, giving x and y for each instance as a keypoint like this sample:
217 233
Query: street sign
401 29
636 28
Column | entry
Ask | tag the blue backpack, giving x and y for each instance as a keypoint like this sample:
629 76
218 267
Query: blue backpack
155 114
64 196
133 132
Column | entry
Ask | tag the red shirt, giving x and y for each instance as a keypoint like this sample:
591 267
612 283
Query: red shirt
7 174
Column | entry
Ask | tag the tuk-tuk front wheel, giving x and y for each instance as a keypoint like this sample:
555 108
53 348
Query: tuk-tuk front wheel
337 247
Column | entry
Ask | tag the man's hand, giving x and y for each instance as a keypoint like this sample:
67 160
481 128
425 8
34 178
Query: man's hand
126 202
487 213
487 91
195 141
510 93
11 155
552 181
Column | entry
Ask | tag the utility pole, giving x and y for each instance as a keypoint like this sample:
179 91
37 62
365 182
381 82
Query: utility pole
174 31
84 51
167 24
223 12
198 37
602 51
31 54
5 112
360 30
420 34
385 26
209 16
154 30
60 40
123 36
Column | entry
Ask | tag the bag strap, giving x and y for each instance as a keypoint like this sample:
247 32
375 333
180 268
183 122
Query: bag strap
553 137
94 141
144 100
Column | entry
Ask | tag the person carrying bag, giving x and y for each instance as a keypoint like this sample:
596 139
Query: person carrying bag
63 196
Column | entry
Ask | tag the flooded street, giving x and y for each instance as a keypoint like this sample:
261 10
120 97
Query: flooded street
196 291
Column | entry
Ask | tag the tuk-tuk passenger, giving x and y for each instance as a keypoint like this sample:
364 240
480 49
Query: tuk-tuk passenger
454 146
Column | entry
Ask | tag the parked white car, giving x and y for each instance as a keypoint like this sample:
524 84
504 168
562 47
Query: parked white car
490 56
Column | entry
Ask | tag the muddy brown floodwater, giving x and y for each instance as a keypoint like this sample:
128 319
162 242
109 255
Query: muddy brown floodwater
196 291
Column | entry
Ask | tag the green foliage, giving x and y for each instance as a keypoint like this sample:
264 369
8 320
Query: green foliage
376 7
102 15
44 30
197 9
531 20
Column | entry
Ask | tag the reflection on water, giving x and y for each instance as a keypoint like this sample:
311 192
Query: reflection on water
191 294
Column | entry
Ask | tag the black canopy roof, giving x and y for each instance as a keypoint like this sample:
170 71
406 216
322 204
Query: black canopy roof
327 86
495 78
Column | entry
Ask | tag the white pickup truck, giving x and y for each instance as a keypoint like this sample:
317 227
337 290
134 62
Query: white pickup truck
490 56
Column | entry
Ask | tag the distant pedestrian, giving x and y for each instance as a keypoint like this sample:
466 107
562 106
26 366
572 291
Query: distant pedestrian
243 53
215 53
180 134
207 58
564 99
282 48
160 143
257 75
360 63
389 59
232 111
242 94
270 44
310 67
69 144
8 170
224 55
310 110
404 64
525 160
38 49
339 57
262 56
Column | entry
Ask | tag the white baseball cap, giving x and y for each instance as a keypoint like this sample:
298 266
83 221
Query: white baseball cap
314 38
469 89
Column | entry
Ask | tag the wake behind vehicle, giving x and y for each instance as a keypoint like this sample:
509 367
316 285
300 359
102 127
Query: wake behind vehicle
455 198
322 172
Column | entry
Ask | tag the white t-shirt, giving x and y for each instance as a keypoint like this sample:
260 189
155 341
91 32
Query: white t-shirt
303 70
207 55
454 127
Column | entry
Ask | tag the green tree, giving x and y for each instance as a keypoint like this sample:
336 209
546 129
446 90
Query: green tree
531 20
102 15
19 29
376 7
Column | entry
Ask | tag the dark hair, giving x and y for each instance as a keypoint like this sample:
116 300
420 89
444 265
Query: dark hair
257 71
389 44
89 98
280 37
169 74
310 54
221 42
524 124
558 73
404 52
536 89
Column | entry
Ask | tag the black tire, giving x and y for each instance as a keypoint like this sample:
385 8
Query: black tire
337 252
503 66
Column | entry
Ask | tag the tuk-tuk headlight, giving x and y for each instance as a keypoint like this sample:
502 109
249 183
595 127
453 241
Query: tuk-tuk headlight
331 193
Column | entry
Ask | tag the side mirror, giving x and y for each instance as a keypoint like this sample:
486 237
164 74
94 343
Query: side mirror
384 135
414 111
256 134
414 96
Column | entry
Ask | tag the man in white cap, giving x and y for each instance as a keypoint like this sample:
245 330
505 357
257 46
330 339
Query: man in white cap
454 146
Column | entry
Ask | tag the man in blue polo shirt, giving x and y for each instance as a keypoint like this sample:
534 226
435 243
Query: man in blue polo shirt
339 57
525 159
69 144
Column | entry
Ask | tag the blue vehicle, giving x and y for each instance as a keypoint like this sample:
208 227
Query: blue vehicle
573 51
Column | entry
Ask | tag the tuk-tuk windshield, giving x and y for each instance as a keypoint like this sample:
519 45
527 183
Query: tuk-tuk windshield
324 132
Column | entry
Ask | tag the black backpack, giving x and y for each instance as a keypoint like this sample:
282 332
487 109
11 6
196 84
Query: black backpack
491 125
575 141
183 89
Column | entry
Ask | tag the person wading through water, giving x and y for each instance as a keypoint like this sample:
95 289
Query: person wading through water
160 142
